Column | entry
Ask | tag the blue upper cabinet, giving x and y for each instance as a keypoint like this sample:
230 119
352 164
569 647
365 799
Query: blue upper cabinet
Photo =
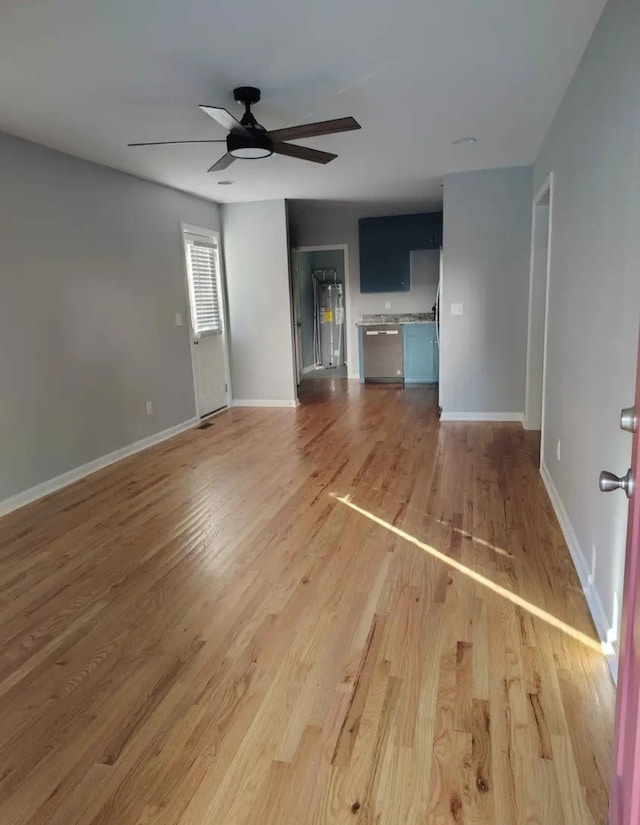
385 249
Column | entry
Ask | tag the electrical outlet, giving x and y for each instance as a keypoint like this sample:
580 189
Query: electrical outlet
558 449
179 319
387 305
149 408
456 309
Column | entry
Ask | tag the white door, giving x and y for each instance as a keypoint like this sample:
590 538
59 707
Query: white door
209 373
207 323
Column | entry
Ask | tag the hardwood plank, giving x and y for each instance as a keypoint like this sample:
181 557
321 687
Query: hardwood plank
206 631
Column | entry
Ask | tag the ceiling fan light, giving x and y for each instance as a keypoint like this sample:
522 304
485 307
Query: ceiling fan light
250 152
249 147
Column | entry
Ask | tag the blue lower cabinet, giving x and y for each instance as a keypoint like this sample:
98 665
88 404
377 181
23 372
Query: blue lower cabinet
421 354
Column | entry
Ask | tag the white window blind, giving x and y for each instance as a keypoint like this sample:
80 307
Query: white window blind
202 260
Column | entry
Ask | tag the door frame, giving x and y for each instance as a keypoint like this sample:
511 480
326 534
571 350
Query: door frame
296 314
546 188
347 284
215 235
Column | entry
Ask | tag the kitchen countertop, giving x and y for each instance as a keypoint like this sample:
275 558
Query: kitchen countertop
401 318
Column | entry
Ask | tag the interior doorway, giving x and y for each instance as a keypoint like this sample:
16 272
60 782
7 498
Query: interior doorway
207 319
539 308
321 298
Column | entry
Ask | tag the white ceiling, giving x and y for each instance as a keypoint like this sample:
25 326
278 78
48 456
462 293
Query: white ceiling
89 76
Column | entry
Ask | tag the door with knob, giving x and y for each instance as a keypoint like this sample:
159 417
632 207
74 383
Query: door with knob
209 357
625 792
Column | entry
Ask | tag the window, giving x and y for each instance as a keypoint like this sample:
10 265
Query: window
202 266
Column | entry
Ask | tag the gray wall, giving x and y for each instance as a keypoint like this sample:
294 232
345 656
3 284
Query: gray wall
593 149
425 273
323 223
256 254
330 259
91 275
487 241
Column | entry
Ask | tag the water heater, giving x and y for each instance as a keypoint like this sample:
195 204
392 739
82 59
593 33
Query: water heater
330 324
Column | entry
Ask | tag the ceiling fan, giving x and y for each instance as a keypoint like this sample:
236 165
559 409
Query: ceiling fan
247 139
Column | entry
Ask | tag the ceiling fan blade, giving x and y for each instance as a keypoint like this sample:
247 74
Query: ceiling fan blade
225 160
323 127
174 142
225 119
303 152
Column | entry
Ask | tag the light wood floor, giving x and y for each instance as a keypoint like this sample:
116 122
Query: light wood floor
213 633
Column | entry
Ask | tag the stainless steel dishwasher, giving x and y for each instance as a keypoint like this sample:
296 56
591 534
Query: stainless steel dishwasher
382 353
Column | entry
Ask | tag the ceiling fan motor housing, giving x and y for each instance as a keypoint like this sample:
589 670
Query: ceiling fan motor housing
247 95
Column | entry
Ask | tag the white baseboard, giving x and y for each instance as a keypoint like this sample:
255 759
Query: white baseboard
533 427
57 483
579 560
482 416
264 402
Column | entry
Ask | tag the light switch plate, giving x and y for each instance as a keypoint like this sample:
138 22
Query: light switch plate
179 319
456 309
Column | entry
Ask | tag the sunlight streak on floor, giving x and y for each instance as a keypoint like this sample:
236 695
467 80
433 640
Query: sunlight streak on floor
499 550
537 612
